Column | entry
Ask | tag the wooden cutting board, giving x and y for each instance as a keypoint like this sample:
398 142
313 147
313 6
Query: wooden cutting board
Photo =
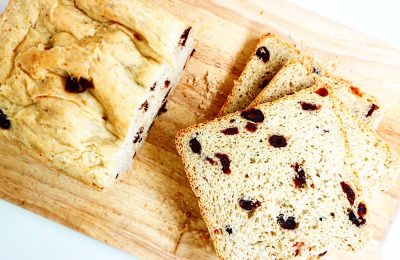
152 213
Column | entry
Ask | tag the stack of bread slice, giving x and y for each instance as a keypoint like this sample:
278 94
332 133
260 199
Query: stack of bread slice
289 174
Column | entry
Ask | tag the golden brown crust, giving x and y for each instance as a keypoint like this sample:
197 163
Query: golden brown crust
77 76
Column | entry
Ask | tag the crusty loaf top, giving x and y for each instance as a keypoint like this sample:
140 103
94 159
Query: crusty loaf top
74 73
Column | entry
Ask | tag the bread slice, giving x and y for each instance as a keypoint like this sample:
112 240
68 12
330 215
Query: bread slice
303 73
270 55
81 81
272 181
373 160
377 166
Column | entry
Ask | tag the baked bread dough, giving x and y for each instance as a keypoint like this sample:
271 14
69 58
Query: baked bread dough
81 81
270 55
274 181
303 73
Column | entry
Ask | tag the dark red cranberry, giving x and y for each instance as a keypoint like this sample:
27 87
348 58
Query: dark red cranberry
263 54
300 179
210 160
184 36
253 114
309 107
323 253
144 106
249 204
264 84
277 141
228 229
4 121
230 131
138 36
138 136
356 91
353 218
167 83
75 85
372 109
323 92
289 223
225 162
195 145
351 196
251 127
361 210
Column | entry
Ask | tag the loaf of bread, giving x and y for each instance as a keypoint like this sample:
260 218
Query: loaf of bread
81 81
269 57
301 73
274 182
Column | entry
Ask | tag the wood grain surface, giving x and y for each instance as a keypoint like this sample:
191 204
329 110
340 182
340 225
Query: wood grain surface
152 213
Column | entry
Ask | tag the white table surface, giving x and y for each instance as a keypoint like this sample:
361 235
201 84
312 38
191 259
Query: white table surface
24 235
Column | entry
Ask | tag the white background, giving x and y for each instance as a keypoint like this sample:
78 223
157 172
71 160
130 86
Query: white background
24 235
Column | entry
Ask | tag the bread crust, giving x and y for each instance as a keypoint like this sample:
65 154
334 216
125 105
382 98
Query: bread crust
82 81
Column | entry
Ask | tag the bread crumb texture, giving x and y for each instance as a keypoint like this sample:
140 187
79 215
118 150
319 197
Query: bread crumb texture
275 181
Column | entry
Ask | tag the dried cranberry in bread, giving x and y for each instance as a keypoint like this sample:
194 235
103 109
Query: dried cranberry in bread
81 81
282 190
270 55
374 161
377 165
303 73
